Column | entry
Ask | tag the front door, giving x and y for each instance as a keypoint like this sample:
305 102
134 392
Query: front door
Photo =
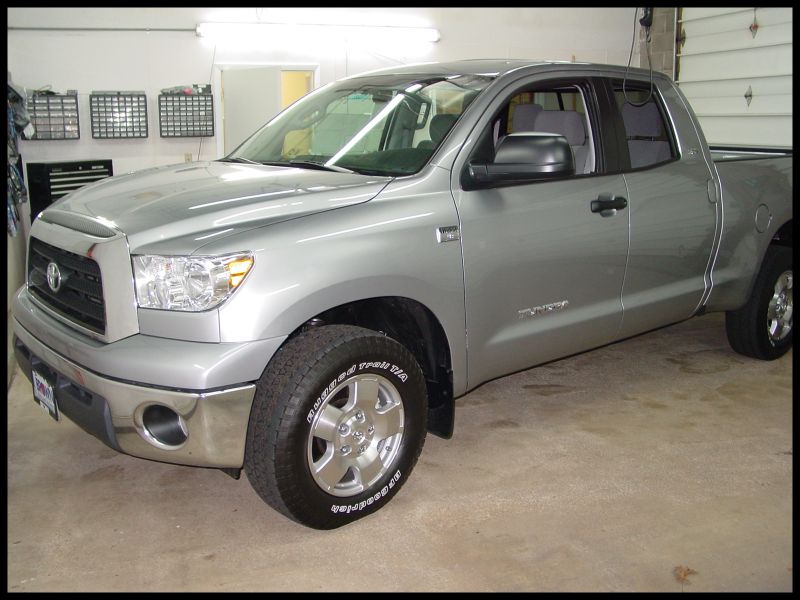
543 272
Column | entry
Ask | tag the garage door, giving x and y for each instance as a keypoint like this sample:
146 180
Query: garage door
735 67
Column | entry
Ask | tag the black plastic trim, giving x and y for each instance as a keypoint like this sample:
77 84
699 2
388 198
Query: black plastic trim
80 297
613 128
85 408
769 152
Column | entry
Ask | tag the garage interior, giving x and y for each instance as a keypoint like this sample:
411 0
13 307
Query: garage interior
659 463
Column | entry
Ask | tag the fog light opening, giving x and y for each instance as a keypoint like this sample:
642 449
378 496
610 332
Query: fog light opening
164 425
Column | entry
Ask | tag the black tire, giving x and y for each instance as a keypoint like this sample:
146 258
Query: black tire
288 405
748 328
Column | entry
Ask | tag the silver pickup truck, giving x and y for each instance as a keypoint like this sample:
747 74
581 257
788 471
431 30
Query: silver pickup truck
309 307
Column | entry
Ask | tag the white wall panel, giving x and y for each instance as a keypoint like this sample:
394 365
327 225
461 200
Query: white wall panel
753 131
738 39
762 104
770 85
735 20
745 62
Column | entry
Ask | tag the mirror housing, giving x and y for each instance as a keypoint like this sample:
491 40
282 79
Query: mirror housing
526 156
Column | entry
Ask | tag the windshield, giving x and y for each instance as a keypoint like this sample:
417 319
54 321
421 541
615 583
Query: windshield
378 125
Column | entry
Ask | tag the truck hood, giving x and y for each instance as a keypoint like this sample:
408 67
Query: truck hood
174 207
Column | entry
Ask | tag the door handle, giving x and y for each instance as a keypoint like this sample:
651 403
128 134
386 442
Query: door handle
608 204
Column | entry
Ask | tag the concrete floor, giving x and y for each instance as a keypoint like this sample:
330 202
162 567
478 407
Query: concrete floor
600 472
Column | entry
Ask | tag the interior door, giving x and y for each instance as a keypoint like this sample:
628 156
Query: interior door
543 273
294 85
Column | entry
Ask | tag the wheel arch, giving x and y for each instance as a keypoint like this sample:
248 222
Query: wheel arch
783 237
416 327
740 275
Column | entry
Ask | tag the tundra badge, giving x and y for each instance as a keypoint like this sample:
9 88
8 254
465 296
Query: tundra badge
545 308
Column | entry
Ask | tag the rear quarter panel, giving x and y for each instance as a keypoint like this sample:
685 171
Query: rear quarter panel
747 185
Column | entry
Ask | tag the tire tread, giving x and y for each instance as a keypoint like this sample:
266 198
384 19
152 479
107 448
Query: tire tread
279 395
742 326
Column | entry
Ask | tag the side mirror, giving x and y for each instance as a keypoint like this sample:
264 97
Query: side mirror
526 156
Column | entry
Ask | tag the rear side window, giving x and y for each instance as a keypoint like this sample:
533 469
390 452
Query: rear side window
646 131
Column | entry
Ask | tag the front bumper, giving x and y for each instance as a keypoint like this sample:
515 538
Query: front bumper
112 411
96 387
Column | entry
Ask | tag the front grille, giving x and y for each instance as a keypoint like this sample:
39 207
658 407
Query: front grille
80 297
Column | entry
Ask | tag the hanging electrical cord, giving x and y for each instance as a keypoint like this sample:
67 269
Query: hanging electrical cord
210 76
630 57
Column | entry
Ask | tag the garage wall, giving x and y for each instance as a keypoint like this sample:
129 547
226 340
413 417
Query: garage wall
53 46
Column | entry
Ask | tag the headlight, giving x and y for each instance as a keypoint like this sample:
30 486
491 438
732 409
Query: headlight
188 283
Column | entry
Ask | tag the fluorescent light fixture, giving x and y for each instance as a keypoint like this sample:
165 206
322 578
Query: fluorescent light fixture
294 32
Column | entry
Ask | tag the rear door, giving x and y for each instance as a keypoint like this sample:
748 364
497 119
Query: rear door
672 205
543 273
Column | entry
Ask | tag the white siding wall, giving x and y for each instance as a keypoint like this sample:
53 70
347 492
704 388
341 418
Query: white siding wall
721 59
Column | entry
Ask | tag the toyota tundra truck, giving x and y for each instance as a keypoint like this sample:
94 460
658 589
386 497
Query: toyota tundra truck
308 307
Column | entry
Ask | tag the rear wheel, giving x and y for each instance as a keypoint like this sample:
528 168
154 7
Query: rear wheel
762 328
338 421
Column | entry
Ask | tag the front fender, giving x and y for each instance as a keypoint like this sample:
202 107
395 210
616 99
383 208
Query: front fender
385 247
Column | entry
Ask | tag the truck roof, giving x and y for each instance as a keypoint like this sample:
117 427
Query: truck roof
491 67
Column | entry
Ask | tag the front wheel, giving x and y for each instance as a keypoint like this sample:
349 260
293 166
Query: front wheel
337 424
762 328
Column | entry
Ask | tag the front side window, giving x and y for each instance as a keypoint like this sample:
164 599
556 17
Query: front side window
558 108
645 128
383 125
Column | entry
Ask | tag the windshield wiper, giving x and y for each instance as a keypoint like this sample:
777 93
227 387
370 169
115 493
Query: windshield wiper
376 172
303 164
314 165
241 160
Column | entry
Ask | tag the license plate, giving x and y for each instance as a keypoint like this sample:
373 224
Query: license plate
43 394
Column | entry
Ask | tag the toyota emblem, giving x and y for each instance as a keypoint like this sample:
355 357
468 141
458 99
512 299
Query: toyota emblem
53 277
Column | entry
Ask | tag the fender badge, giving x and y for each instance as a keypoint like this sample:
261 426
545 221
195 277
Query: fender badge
448 234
